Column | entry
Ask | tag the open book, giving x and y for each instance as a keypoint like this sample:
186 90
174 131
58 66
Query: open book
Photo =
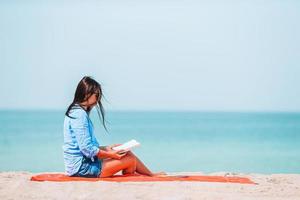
127 146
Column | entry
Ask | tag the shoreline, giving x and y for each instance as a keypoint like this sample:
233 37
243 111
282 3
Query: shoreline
17 185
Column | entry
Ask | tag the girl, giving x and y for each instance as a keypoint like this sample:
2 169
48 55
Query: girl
82 154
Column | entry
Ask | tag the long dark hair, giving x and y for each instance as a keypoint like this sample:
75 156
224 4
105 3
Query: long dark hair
86 87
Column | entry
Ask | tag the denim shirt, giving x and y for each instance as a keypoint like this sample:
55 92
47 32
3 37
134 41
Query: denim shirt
79 140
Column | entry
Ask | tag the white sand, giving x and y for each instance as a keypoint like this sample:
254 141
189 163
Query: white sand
17 185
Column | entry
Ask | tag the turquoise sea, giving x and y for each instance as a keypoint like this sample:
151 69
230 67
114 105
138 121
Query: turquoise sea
170 141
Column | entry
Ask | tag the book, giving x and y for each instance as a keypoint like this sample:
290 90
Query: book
127 146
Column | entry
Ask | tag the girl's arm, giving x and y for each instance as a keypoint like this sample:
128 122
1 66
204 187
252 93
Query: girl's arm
83 136
103 148
110 154
107 148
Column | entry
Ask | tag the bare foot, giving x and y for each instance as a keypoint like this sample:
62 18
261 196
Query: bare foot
159 174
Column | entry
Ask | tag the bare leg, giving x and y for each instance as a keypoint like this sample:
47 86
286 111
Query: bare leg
112 166
140 167
129 164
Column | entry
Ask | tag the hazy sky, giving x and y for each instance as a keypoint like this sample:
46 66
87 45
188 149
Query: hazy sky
152 55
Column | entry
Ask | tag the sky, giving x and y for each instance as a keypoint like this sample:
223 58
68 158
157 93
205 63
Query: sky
152 55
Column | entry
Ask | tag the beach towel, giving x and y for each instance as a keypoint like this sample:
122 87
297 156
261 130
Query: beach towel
141 178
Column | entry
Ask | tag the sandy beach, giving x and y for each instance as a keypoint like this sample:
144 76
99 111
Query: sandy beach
17 185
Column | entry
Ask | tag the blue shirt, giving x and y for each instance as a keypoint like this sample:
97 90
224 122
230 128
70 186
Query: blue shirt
79 140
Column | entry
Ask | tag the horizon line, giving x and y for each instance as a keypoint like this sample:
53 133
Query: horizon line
160 110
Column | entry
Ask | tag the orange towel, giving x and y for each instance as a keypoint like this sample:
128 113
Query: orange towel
141 178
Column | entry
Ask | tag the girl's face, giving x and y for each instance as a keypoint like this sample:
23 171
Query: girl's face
92 100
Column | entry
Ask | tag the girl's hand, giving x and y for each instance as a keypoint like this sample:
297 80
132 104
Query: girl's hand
109 148
116 154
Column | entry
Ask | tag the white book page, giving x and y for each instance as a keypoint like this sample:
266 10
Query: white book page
127 146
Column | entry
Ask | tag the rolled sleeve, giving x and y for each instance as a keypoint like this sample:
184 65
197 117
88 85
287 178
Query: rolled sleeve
82 134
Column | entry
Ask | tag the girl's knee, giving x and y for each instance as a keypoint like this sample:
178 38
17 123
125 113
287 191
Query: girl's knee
132 158
129 159
129 153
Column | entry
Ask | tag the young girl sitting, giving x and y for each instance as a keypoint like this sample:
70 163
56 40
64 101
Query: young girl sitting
82 154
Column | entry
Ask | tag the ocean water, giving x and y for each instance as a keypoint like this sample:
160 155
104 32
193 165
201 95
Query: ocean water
170 141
